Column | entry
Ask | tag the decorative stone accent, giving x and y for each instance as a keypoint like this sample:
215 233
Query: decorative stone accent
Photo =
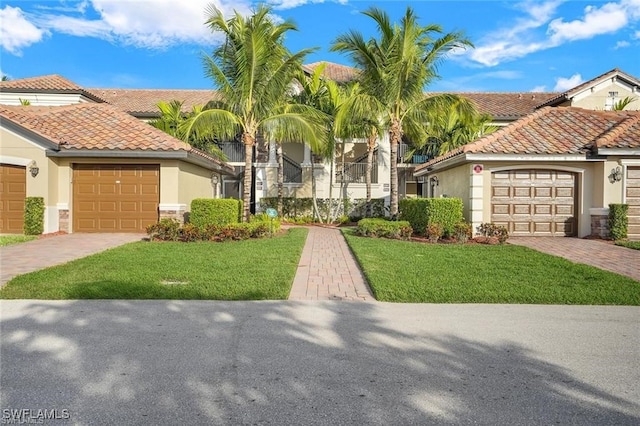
173 214
599 222
63 220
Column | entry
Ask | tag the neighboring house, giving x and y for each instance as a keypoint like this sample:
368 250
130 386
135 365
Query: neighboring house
98 168
555 171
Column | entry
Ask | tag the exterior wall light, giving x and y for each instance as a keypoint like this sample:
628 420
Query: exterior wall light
615 175
34 169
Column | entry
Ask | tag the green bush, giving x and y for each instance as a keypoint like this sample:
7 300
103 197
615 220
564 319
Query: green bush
421 212
165 230
303 207
618 221
434 232
33 216
462 232
383 228
215 211
171 230
491 230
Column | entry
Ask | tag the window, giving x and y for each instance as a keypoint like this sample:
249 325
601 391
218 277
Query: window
611 101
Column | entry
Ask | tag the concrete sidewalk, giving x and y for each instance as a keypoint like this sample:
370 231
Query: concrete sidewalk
17 259
328 270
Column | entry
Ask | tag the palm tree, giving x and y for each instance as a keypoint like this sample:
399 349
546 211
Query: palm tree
253 72
623 103
394 70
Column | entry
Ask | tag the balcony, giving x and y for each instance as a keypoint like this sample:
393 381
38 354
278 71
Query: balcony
403 148
234 151
355 173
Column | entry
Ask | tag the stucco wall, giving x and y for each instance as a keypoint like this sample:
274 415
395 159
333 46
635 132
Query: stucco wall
453 183
596 100
193 182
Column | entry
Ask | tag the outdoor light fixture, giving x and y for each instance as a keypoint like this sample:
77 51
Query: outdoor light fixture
615 175
435 181
34 169
214 179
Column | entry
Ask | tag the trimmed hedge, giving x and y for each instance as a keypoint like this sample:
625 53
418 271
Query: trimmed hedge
421 212
618 221
33 216
171 230
215 211
375 227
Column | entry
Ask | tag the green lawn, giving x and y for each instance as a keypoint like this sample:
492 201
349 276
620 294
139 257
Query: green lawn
241 270
5 240
629 244
402 271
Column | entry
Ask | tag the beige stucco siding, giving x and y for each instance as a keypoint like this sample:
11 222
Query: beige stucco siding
597 99
454 183
193 182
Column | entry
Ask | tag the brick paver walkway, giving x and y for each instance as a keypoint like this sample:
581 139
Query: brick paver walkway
596 253
26 257
328 270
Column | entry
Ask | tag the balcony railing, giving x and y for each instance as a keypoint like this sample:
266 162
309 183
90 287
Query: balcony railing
291 170
233 150
403 148
355 173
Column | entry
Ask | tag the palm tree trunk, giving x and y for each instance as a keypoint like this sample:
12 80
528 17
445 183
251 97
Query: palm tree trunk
249 142
280 158
331 177
395 136
371 143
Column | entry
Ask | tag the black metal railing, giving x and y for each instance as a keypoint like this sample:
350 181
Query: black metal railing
234 151
356 172
403 149
291 170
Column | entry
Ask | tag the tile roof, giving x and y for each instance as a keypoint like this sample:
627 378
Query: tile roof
143 102
507 106
557 130
336 72
97 126
53 83
561 97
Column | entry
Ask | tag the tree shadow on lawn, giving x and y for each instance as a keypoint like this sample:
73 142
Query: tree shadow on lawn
159 362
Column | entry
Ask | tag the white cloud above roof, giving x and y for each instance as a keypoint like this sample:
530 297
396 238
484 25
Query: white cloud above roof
16 32
563 84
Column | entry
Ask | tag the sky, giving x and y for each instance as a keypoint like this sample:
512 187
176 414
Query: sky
520 46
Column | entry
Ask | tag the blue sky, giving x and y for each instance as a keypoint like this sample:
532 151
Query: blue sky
520 46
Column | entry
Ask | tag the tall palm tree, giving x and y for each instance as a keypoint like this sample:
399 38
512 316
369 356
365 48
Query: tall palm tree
394 70
252 71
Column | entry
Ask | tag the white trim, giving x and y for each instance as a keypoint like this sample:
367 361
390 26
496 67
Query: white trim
629 162
15 161
174 207
62 206
599 211
618 151
476 199
525 157
538 167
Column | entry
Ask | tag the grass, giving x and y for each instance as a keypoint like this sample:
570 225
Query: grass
402 271
629 244
5 240
240 270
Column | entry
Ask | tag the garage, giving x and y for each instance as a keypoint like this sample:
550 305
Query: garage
534 202
115 198
632 198
13 191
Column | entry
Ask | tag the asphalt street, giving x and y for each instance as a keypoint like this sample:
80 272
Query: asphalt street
318 363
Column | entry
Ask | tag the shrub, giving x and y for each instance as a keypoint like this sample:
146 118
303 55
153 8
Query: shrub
165 230
491 230
384 229
215 211
421 212
303 207
33 216
434 232
462 232
618 221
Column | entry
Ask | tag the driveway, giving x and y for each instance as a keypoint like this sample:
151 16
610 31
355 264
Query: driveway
598 253
320 363
26 257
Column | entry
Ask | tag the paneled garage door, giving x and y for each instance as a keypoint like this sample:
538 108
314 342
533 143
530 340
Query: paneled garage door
115 198
13 191
633 200
534 202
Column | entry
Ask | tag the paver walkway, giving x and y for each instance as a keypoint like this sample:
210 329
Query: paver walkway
596 253
328 270
16 259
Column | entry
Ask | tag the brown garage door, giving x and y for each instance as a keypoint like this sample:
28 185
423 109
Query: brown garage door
633 200
115 198
534 202
13 191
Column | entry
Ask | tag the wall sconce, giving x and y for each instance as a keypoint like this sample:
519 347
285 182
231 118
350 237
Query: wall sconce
435 181
615 175
214 179
34 169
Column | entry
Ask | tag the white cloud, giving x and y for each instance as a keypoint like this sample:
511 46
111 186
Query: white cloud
16 32
564 84
524 36
621 44
539 89
290 4
636 35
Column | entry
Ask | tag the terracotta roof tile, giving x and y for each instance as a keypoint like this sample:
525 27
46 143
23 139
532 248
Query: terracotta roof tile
94 126
507 106
144 101
556 130
53 83
336 72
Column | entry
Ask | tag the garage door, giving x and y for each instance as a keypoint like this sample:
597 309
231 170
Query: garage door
534 202
633 200
115 198
13 191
